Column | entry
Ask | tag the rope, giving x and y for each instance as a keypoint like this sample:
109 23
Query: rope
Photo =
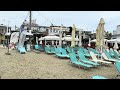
45 18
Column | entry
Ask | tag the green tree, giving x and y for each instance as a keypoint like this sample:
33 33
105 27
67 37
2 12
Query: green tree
108 35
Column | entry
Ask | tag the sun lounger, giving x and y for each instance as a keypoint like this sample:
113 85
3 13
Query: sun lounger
37 47
83 59
94 58
107 50
62 53
41 48
22 50
52 49
47 50
107 57
74 60
98 77
116 51
86 53
117 65
94 51
116 55
69 50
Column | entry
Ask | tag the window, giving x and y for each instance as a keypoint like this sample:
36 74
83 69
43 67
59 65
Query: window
2 30
47 30
54 30
50 30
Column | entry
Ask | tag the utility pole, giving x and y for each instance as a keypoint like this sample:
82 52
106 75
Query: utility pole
30 19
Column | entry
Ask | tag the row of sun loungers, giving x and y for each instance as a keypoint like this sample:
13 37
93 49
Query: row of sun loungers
79 57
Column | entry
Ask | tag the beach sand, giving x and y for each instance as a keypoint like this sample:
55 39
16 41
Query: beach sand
39 65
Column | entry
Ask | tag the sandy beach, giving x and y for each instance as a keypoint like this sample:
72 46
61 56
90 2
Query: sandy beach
39 65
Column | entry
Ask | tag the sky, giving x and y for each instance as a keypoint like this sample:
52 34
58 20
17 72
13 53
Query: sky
87 20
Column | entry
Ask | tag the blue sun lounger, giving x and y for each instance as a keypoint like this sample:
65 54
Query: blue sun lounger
52 49
83 59
109 57
22 50
61 53
69 50
47 50
117 65
37 47
74 60
98 77
86 53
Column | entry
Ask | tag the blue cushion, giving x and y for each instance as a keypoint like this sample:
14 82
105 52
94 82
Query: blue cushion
98 77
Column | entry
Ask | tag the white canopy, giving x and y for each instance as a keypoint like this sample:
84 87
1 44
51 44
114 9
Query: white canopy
116 45
51 38
69 38
95 40
41 39
114 40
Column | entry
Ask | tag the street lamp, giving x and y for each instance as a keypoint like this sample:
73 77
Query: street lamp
8 36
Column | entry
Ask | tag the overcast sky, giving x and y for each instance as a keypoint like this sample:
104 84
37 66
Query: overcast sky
88 20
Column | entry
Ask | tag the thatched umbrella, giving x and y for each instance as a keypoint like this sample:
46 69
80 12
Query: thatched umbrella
73 36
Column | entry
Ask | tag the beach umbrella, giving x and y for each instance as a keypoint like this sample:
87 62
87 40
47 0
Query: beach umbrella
73 36
60 35
80 44
40 41
64 34
36 40
64 42
115 45
52 42
76 42
45 42
97 36
89 42
56 43
83 35
100 34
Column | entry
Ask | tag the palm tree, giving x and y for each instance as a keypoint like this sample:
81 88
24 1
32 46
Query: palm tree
108 35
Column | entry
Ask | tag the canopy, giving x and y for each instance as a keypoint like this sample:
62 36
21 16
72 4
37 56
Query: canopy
40 39
69 38
95 40
115 45
51 38
114 40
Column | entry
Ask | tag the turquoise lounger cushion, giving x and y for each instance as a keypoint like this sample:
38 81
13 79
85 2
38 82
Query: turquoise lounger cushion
98 77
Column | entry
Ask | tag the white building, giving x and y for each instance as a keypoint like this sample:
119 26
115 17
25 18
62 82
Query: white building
116 33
